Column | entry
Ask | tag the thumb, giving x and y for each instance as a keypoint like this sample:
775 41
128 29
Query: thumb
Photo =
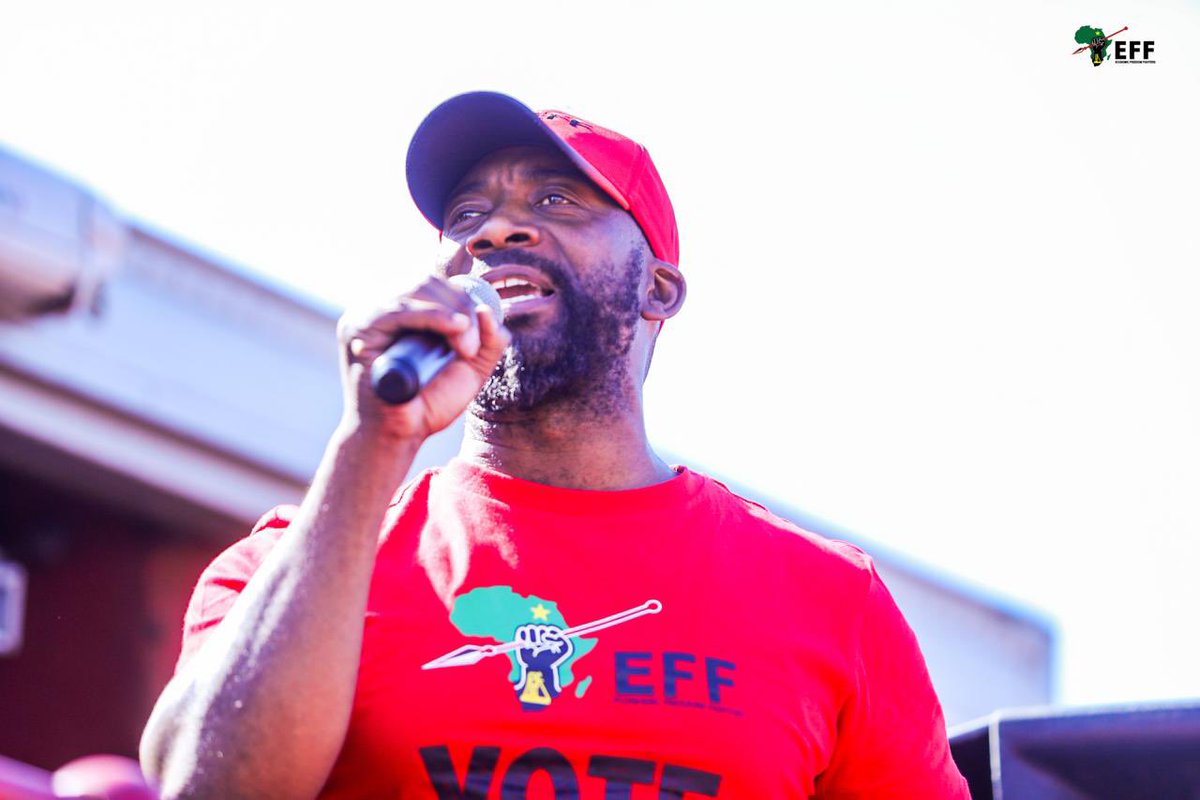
493 337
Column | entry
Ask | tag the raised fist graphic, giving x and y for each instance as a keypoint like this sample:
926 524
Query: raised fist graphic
542 649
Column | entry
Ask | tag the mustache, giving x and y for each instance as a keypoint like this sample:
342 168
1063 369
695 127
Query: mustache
554 271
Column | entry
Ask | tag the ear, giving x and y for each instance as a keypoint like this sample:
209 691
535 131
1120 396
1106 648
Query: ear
665 295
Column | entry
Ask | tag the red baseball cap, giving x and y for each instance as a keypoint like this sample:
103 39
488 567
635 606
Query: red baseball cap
464 129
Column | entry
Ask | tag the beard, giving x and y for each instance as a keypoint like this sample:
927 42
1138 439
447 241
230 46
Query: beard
577 358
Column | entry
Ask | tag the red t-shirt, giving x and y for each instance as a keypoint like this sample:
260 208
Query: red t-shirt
671 641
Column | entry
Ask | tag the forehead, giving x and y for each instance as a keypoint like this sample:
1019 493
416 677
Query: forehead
516 164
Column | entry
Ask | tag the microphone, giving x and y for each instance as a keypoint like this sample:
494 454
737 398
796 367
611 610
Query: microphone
416 356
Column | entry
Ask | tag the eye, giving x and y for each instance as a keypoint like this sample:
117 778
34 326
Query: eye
554 199
462 215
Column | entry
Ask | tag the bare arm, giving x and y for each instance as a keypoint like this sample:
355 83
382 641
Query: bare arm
263 707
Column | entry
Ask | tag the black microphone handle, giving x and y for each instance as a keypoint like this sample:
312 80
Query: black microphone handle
401 370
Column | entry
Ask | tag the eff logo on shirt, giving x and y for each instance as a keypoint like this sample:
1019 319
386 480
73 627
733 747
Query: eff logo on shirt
534 635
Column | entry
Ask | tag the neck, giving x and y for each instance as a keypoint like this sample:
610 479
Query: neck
605 450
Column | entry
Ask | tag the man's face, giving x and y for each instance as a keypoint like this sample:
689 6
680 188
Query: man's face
568 264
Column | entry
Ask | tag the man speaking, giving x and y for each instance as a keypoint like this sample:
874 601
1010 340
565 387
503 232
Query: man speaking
557 613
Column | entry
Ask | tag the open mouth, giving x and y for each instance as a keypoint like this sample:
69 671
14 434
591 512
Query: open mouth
517 289
522 289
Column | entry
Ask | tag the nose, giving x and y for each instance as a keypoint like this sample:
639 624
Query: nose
500 231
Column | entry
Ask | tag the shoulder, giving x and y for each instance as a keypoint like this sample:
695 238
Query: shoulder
235 565
797 566
757 527
244 556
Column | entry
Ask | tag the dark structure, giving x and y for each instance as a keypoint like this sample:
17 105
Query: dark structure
1126 753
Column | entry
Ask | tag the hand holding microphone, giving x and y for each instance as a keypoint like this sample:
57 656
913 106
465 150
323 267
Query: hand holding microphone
412 366
416 356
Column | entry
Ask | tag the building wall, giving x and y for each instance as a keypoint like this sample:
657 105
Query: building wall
101 624
981 656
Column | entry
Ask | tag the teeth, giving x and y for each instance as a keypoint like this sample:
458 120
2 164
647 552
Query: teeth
515 289
508 298
515 283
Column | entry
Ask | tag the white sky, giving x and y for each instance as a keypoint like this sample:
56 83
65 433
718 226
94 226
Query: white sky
942 273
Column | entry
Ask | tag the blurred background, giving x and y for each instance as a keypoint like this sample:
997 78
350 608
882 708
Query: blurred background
942 291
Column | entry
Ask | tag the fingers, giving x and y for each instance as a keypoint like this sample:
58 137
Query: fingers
472 330
493 337
466 344
436 305
437 289
376 330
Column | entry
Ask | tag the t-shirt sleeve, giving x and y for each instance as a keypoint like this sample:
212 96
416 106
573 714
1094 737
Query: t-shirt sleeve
223 580
891 739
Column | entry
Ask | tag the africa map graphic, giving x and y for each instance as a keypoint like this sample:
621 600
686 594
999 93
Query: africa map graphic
542 668
534 635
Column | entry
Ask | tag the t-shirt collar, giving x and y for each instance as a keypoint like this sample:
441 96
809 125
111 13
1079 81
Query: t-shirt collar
471 476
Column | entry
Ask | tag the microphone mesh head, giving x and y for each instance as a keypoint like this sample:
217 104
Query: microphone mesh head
481 292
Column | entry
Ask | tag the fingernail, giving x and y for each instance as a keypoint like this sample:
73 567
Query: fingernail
460 320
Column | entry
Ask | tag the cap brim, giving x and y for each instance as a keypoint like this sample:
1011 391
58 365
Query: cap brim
457 134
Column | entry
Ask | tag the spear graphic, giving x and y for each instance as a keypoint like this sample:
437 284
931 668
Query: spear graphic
474 653
1106 38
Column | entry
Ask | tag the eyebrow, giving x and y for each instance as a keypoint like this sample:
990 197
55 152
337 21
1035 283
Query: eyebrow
473 186
536 173
540 173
